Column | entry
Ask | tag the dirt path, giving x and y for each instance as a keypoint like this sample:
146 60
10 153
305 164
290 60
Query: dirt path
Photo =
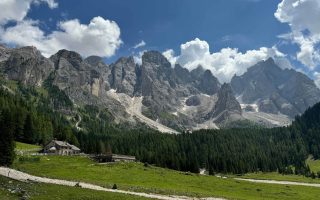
78 122
279 182
21 176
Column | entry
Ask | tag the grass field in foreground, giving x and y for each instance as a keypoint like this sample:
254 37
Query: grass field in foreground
37 191
136 177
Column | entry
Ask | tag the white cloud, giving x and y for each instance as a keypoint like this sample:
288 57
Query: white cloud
225 63
140 44
169 54
317 78
51 3
138 57
303 18
100 37
17 10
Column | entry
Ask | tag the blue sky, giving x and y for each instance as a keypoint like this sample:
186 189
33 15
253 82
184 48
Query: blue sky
243 24
232 34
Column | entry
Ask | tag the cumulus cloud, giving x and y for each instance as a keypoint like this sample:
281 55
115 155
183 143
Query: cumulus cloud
51 3
317 78
138 57
17 10
225 63
100 37
169 54
140 44
303 18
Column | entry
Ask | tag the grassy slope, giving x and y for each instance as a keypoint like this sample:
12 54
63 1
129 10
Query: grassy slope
38 191
314 165
25 147
134 176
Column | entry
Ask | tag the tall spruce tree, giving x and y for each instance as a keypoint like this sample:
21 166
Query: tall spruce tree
6 138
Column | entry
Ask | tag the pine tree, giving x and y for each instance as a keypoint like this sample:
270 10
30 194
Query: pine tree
7 144
28 129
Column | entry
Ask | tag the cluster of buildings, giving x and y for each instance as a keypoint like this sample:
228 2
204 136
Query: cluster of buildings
61 148
56 147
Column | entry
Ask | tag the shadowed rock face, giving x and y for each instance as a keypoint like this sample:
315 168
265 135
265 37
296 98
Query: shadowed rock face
226 105
276 90
95 61
26 65
193 101
123 76
4 53
208 84
71 70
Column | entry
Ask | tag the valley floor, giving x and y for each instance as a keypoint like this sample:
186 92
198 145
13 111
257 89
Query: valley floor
137 178
20 176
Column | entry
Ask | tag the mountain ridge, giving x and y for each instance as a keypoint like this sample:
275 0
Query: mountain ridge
171 95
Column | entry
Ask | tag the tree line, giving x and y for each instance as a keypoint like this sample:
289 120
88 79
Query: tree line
22 119
30 117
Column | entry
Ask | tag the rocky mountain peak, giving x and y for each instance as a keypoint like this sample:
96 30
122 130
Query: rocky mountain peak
123 75
275 90
227 107
155 57
69 59
183 74
70 56
209 84
94 60
227 101
197 72
26 65
4 53
125 60
2 47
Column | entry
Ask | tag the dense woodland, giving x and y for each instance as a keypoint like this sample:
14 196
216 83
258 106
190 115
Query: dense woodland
29 116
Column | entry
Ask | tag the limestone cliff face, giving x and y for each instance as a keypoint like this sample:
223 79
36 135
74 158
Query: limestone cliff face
26 65
123 76
276 90
227 106
74 74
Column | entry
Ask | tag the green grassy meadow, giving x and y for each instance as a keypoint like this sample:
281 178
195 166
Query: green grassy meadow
26 147
314 165
37 191
136 177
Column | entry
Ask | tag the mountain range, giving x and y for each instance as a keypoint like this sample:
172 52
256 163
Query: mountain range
165 97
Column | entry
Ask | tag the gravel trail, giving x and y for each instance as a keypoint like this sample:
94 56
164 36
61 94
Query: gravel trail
280 182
